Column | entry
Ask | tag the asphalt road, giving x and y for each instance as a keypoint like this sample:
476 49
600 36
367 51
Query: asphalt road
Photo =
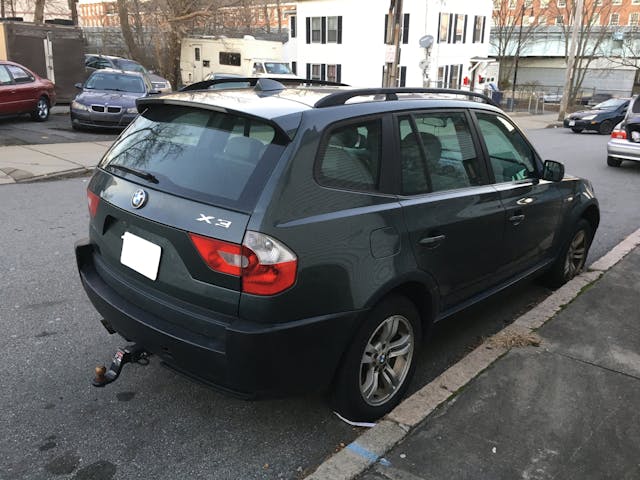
57 129
152 423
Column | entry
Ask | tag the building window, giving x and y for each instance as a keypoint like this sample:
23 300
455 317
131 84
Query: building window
316 29
633 19
332 29
196 54
559 20
226 58
562 3
455 72
478 29
443 31
460 28
544 3
315 71
595 19
293 26
615 19
635 2
334 73
616 2
512 4
405 28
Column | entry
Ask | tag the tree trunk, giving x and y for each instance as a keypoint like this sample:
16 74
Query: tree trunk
73 7
279 16
38 14
127 34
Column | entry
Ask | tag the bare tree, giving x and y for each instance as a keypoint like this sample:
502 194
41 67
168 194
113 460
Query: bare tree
514 26
38 13
590 37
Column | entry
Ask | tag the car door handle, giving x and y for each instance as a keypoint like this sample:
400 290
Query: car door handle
516 219
432 241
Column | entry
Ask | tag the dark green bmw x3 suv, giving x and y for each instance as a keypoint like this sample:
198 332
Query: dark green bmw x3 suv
276 239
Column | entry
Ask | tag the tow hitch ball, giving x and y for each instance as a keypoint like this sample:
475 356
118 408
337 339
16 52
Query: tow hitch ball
130 353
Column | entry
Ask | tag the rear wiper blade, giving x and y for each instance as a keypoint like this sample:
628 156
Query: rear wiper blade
138 173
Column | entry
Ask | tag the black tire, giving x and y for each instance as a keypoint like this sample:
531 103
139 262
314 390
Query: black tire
572 257
613 162
356 376
606 127
41 112
577 130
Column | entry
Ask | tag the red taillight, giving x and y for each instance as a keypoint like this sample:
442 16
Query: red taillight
621 134
265 266
93 200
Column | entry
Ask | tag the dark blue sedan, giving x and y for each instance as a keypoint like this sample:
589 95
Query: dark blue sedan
108 99
601 118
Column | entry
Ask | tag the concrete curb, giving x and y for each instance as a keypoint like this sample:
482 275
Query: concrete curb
74 172
370 447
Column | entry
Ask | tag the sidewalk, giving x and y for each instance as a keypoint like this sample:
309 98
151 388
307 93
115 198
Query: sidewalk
564 407
527 121
33 162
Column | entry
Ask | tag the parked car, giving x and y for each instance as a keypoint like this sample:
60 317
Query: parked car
624 144
595 98
601 118
108 99
23 91
95 62
286 239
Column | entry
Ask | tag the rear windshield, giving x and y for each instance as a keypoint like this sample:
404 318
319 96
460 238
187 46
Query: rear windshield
213 157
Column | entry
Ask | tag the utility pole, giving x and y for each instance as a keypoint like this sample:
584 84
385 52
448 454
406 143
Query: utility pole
393 31
568 78
515 66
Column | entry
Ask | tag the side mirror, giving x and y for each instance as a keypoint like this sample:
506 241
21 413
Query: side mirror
552 171
78 86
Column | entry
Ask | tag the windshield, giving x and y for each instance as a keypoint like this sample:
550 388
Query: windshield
213 157
610 104
277 68
115 81
130 66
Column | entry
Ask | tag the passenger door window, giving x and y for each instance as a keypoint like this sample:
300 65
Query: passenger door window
5 78
350 158
510 155
437 153
19 75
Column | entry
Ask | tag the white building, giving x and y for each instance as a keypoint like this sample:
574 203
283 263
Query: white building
344 40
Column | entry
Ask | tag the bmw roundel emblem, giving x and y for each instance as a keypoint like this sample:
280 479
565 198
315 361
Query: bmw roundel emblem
139 198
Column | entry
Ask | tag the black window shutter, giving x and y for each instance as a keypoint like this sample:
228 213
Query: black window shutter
338 73
464 32
324 29
340 29
484 20
459 76
308 29
405 29
323 71
446 76
308 70
475 28
450 33
439 20
382 82
455 27
294 67
403 76
386 25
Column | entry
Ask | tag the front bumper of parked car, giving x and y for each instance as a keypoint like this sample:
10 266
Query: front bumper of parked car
91 119
593 124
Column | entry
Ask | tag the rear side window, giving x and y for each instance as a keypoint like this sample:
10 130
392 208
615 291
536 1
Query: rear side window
510 155
5 79
19 75
209 156
437 153
350 157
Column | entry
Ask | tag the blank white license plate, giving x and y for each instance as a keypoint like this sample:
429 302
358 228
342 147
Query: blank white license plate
140 255
572 123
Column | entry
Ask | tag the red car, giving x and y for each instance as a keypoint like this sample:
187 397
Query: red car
23 91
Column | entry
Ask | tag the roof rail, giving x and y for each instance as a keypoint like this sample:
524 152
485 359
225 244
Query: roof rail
252 81
340 98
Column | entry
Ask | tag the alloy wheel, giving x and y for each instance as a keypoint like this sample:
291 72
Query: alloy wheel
42 109
576 255
386 360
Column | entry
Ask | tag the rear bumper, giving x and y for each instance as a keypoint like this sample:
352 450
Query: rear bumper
623 149
248 359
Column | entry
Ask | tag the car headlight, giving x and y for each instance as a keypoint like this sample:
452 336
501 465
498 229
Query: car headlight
79 106
132 110
589 117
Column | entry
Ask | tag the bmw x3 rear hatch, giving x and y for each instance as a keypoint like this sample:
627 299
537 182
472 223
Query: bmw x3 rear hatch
170 205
